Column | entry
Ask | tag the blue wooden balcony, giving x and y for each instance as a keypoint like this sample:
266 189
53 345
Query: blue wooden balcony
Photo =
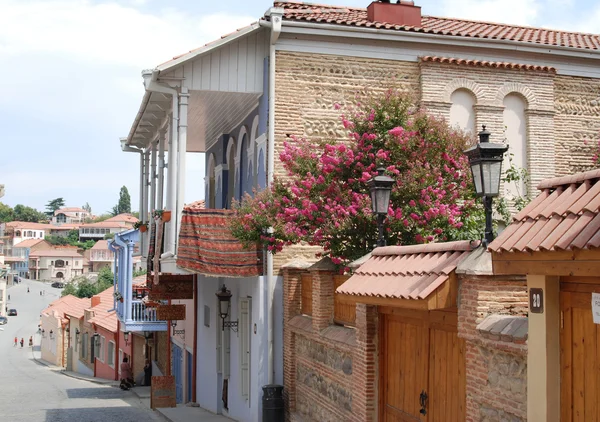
134 314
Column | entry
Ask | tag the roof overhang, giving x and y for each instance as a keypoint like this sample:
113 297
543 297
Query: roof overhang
580 262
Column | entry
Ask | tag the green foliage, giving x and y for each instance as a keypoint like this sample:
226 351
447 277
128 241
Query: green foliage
86 289
109 236
82 286
69 289
138 273
6 213
124 204
515 177
29 214
87 207
56 240
101 218
73 236
53 205
105 279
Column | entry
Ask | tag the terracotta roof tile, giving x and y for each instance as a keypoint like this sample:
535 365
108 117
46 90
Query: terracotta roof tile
483 63
565 216
352 16
56 252
28 243
407 272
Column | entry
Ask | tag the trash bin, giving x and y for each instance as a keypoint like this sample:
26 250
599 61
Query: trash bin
272 403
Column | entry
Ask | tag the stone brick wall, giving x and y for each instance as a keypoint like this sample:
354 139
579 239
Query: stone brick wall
138 358
577 119
161 349
329 372
496 369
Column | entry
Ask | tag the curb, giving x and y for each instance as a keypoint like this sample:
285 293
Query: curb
81 378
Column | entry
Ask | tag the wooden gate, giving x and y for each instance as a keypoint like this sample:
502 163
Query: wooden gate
422 367
580 354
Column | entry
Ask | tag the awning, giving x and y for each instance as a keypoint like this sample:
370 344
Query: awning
417 276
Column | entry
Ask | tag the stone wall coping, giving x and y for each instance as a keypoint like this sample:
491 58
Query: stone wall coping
346 335
296 264
324 264
301 322
509 328
478 262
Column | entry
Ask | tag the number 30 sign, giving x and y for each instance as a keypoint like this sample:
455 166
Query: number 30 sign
536 301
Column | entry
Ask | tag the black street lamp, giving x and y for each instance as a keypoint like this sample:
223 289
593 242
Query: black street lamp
486 159
224 296
380 187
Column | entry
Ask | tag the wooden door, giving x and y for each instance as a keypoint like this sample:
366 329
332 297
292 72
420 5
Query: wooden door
421 354
580 355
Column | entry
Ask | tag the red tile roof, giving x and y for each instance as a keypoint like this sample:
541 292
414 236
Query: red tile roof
123 218
100 245
69 305
352 16
56 252
106 224
482 63
28 243
407 272
102 317
27 225
564 216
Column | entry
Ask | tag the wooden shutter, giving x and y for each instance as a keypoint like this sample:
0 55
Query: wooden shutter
244 330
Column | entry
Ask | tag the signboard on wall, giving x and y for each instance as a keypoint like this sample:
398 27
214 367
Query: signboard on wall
536 301
170 312
162 392
173 286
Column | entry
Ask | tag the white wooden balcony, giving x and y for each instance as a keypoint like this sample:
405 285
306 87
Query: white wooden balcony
140 317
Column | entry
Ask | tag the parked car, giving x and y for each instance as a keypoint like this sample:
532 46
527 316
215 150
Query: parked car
58 284
3 320
12 312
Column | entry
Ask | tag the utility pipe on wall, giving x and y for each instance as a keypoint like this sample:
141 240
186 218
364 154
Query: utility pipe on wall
274 24
151 84
161 167
183 123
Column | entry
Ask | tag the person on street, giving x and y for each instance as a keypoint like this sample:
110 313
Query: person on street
8 297
28 290
22 342
126 375
147 372
16 341
30 341
40 292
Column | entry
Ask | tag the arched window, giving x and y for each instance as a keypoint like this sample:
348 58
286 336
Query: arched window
462 111
61 218
230 173
243 164
516 134
18 233
59 263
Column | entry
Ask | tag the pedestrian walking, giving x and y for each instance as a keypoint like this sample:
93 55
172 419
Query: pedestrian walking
28 290
30 341
16 341
8 297
40 292
22 342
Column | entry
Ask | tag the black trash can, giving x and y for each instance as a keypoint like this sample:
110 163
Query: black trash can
272 403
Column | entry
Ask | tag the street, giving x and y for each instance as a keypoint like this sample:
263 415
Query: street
34 392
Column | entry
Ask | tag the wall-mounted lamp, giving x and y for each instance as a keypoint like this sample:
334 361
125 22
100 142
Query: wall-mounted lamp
148 335
126 337
43 333
77 332
224 297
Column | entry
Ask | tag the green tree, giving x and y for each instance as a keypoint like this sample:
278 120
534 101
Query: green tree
24 213
109 236
70 289
124 204
87 207
53 205
6 213
86 289
56 240
73 236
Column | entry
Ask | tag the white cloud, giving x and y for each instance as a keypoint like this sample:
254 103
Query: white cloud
516 12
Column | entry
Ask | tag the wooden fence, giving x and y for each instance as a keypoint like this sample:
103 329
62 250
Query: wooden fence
307 294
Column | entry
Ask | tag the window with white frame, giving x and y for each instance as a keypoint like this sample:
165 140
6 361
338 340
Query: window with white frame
84 345
111 354
101 347
244 332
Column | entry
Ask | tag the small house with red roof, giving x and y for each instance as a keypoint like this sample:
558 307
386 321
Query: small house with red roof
20 255
238 99
555 243
55 339
70 215
55 264
100 256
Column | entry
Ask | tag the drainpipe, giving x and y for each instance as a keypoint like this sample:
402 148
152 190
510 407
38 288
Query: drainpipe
161 168
276 14
195 344
183 119
151 84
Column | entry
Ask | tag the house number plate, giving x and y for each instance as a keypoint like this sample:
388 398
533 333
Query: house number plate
536 301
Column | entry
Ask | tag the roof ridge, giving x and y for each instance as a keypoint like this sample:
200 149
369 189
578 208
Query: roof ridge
568 180
428 248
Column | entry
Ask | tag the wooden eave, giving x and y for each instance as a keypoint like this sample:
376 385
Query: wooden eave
580 262
444 297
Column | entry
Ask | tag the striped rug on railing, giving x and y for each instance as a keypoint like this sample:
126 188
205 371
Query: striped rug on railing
207 247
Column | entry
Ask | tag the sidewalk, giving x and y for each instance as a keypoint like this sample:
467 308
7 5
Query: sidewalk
181 413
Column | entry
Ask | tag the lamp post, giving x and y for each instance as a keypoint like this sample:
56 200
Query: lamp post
224 297
380 188
485 160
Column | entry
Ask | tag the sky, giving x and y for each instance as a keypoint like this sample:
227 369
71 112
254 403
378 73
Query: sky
70 81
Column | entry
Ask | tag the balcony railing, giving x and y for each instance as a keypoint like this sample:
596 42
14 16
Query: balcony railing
142 317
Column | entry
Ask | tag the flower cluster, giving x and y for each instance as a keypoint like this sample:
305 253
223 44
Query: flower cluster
323 200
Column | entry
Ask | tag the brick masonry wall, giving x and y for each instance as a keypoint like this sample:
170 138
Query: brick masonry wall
496 370
322 383
577 120
138 358
161 341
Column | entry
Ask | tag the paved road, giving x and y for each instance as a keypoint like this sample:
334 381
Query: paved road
32 392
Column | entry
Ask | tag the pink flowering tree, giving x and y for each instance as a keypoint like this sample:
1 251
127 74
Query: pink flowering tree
324 200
